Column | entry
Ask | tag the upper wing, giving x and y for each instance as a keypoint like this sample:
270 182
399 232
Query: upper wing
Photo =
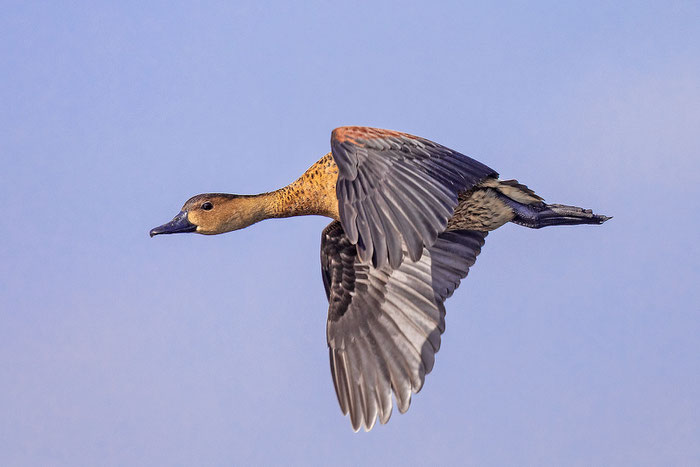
384 324
394 186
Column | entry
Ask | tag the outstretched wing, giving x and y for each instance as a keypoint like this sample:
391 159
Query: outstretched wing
384 324
394 187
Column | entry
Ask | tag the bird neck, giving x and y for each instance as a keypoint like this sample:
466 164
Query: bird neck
311 194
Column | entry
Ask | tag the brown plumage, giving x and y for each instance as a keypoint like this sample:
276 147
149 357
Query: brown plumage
409 218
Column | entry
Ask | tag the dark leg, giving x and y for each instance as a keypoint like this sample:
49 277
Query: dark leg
536 216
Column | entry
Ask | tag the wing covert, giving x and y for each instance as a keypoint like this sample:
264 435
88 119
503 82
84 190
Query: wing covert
394 187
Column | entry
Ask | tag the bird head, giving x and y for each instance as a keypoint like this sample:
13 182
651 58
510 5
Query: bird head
214 213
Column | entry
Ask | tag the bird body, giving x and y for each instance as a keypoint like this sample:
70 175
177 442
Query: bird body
409 218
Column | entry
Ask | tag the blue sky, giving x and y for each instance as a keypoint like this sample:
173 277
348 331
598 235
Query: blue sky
568 346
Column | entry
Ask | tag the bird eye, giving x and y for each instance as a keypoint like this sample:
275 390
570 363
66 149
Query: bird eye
207 206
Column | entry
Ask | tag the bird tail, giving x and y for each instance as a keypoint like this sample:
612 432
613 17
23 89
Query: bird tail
531 211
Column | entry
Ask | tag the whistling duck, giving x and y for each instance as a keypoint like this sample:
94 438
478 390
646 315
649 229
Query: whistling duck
409 219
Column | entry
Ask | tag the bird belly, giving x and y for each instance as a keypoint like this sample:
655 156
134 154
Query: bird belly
480 208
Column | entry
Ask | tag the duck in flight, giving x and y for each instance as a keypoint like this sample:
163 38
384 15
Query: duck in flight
409 218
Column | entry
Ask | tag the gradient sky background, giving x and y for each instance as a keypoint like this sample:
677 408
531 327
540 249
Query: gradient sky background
568 346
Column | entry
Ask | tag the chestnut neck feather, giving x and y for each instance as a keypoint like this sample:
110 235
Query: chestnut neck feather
311 194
